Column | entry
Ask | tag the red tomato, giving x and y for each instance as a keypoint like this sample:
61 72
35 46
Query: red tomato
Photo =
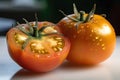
37 46
92 37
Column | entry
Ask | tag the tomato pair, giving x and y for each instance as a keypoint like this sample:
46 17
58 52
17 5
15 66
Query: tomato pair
41 47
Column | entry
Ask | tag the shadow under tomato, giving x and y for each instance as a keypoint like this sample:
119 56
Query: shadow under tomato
68 65
27 75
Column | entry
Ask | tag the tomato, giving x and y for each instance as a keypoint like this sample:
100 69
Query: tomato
37 46
92 37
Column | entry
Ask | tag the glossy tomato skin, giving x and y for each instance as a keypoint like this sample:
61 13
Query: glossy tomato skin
31 60
92 42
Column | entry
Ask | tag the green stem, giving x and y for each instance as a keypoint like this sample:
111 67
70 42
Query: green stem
26 42
91 14
36 22
82 16
23 30
31 28
77 14
36 32
71 18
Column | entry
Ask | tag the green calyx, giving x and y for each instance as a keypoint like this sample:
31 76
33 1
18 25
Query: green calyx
33 32
79 16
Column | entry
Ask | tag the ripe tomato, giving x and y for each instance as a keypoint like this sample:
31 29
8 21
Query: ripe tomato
92 37
37 46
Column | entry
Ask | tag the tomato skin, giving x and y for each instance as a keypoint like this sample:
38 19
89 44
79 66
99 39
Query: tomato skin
93 41
33 61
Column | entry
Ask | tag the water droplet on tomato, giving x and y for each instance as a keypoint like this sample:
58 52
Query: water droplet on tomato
100 39
82 27
74 36
87 26
92 31
58 54
96 37
103 48
90 35
78 31
103 45
98 43
93 40
48 56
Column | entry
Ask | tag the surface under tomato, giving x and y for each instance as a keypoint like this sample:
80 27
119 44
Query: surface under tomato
39 49
92 41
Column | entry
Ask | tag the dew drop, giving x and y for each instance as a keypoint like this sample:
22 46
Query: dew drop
103 45
90 35
93 40
87 26
103 48
78 31
92 31
74 36
100 39
48 56
58 54
98 43
96 37
82 27
71 23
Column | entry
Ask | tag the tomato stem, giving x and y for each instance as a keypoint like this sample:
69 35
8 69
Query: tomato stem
79 16
74 19
26 42
31 28
82 15
36 33
91 14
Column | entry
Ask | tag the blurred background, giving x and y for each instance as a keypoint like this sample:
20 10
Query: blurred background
12 11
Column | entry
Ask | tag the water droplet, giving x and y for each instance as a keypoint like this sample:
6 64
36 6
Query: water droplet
93 40
74 36
90 35
100 39
87 26
37 55
96 37
58 54
103 45
98 43
82 27
71 23
48 56
92 31
78 31
103 48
